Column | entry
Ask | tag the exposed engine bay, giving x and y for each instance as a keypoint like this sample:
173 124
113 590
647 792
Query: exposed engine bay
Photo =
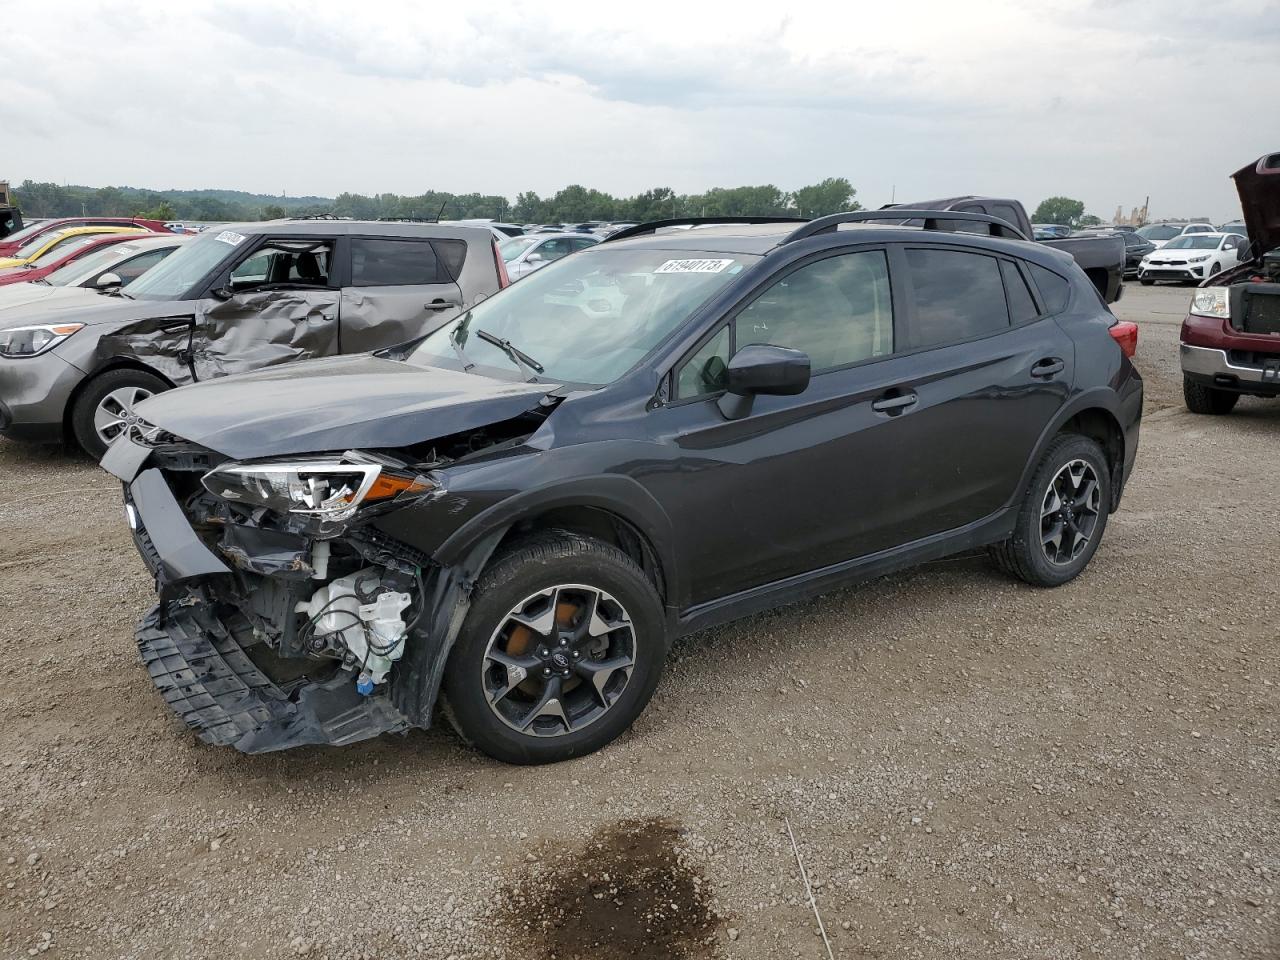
290 619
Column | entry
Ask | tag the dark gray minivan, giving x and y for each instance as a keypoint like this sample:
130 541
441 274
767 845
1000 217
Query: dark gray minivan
236 298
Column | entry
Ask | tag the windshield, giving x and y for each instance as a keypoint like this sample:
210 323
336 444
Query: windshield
66 246
176 274
27 232
81 268
31 247
588 318
510 249
1190 242
1159 232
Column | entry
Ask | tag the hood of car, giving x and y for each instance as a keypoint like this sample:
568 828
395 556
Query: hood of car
22 304
1164 254
1259 187
336 403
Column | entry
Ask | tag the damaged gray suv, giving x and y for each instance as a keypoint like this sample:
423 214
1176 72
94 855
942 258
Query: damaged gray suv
75 365
667 431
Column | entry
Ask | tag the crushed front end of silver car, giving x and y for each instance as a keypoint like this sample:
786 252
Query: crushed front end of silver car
284 617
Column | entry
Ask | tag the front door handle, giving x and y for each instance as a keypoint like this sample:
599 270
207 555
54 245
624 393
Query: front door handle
439 304
896 404
1048 367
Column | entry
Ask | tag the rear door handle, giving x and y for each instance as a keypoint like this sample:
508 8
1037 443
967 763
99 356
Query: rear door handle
441 304
1048 367
896 404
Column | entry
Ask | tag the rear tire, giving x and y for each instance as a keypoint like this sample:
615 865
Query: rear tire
489 703
1207 400
104 408
1030 553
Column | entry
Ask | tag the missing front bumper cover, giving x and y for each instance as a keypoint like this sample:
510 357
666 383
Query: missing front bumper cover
214 687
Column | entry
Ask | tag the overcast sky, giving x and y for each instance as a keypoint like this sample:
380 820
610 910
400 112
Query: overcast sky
1106 101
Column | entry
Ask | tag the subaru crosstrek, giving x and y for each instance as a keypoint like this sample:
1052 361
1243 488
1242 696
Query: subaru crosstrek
518 513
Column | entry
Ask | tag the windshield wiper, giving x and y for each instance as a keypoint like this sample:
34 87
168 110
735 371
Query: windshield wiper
518 356
467 364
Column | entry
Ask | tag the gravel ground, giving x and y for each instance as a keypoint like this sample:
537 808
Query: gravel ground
971 767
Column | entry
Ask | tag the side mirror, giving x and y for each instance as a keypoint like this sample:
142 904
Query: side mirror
762 368
108 280
535 257
222 293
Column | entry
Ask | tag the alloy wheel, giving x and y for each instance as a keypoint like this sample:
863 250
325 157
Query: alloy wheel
115 413
559 660
1069 512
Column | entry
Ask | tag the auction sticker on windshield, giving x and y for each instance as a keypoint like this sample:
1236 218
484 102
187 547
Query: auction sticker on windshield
694 266
231 237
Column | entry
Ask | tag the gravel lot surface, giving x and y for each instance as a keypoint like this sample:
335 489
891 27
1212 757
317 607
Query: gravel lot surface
971 767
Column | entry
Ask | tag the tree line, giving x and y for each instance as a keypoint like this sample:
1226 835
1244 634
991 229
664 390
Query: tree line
573 203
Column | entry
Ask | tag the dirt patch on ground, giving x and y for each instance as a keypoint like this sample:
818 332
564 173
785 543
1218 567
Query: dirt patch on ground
626 894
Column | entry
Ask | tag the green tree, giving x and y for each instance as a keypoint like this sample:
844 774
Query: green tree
162 211
273 211
1061 210
1089 220
832 195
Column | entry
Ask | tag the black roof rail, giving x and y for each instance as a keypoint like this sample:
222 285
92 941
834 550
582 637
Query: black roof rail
318 216
899 214
408 220
653 226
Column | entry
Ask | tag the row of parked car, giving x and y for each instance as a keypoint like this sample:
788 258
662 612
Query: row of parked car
515 499
1181 252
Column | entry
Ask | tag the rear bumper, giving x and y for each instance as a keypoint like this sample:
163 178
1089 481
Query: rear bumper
1218 368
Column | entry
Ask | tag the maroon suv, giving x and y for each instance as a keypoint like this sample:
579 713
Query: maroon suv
1230 341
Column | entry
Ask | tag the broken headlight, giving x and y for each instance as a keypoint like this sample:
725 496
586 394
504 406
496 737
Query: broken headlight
29 341
329 490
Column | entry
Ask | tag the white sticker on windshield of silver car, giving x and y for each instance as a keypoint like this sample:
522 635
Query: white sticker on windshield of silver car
693 266
231 237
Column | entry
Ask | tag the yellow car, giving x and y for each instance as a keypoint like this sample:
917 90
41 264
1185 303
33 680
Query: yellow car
61 241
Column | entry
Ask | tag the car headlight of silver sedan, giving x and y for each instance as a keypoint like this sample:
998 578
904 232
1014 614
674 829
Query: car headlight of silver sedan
34 340
1200 259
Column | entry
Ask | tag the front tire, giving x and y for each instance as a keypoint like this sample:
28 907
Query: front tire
1145 281
1062 517
561 650
1207 400
105 407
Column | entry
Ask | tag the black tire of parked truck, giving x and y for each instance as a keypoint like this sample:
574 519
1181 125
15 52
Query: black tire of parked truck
1024 554
126 386
1207 400
487 704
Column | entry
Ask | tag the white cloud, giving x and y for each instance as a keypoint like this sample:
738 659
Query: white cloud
1103 101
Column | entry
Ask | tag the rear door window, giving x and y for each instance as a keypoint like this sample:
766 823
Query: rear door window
958 296
394 263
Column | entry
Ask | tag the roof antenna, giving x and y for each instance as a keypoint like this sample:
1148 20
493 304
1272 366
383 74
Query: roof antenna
440 211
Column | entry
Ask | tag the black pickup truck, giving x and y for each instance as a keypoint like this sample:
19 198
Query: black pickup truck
1100 257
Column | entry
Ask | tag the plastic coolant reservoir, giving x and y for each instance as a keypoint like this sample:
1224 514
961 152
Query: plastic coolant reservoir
364 629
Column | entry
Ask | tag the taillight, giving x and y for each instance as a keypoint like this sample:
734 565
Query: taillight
503 279
1126 334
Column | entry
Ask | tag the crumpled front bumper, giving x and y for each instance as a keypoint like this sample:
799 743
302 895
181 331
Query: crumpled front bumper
206 670
215 688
